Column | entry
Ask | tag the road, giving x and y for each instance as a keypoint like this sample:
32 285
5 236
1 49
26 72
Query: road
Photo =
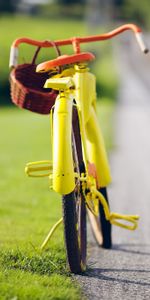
124 271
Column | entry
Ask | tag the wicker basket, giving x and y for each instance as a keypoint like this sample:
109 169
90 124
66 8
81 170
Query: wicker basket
26 88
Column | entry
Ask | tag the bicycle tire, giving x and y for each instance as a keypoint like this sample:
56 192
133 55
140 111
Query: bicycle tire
101 228
74 210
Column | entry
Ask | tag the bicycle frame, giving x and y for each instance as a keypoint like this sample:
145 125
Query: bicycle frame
93 145
84 83
94 149
76 87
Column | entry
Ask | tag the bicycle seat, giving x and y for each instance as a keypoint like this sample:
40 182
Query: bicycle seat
64 60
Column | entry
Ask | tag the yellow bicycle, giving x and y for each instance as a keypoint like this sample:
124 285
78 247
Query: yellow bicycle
79 169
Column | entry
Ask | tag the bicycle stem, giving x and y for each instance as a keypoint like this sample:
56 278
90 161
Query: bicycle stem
76 41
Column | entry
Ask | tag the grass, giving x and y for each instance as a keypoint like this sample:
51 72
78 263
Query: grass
105 71
105 109
25 285
28 209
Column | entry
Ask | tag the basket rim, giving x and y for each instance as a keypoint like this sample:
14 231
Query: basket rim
12 76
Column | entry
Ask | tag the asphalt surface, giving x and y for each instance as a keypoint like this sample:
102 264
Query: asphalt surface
124 271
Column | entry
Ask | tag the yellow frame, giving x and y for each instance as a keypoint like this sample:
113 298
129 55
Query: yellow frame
79 84
83 83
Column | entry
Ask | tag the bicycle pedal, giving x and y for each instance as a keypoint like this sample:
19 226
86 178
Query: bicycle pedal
34 169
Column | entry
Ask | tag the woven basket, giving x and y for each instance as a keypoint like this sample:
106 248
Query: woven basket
26 88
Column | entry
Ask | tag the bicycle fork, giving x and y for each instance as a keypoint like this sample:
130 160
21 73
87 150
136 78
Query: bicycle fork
63 169
63 177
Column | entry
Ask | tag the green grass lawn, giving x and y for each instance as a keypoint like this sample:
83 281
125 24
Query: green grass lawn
28 209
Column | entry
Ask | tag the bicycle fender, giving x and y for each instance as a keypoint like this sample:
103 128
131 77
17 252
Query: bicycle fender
63 169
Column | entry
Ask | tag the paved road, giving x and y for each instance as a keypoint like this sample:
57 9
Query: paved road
124 271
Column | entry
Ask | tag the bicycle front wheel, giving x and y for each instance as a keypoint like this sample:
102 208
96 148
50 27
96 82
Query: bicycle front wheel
74 209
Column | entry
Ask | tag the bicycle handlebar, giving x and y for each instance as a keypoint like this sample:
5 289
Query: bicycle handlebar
76 41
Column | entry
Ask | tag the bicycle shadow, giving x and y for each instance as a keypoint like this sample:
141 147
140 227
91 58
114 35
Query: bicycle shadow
122 275
101 274
127 248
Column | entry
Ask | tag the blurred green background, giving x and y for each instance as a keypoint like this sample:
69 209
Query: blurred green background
49 19
27 208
